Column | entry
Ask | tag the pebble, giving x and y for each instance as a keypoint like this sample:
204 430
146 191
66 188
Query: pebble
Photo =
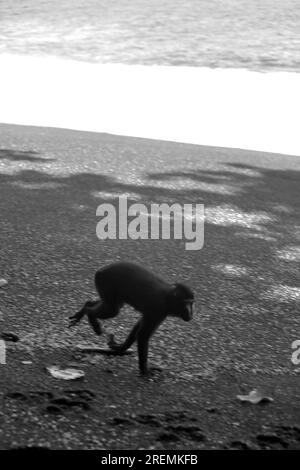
3 282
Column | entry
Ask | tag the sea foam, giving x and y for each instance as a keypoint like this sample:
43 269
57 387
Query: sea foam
218 107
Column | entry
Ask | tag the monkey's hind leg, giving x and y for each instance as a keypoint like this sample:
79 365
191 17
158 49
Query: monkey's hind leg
102 310
122 348
76 318
95 309
95 324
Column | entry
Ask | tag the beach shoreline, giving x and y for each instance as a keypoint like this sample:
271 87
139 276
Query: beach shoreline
217 107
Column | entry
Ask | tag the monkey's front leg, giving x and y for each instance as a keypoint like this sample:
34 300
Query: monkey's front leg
143 338
143 359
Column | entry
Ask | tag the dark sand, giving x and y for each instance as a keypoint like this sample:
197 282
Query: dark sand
246 280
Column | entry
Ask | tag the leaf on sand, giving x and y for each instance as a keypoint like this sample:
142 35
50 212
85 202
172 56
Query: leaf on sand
3 282
255 397
65 374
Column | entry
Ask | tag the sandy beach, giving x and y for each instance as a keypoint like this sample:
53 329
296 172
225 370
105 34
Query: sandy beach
246 280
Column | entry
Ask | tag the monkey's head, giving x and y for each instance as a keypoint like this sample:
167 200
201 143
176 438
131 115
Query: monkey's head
181 302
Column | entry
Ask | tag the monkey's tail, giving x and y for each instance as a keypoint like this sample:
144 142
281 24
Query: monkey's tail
111 343
127 343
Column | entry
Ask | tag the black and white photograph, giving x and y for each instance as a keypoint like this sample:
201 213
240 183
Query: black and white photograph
149 228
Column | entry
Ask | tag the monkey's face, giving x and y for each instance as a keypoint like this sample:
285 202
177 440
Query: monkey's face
182 302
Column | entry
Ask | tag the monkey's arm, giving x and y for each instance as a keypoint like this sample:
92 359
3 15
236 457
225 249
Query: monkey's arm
147 329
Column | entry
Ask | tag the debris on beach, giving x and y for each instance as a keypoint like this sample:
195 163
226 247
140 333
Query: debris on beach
8 336
65 374
3 282
255 397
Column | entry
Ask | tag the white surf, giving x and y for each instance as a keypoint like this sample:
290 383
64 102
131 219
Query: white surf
217 107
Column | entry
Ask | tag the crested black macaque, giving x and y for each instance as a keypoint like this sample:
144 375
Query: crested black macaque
128 283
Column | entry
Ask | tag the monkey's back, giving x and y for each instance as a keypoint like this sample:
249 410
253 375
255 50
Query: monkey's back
126 282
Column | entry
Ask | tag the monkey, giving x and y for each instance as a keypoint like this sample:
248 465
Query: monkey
128 283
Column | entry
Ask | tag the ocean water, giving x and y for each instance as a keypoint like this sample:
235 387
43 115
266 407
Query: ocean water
252 34
211 72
